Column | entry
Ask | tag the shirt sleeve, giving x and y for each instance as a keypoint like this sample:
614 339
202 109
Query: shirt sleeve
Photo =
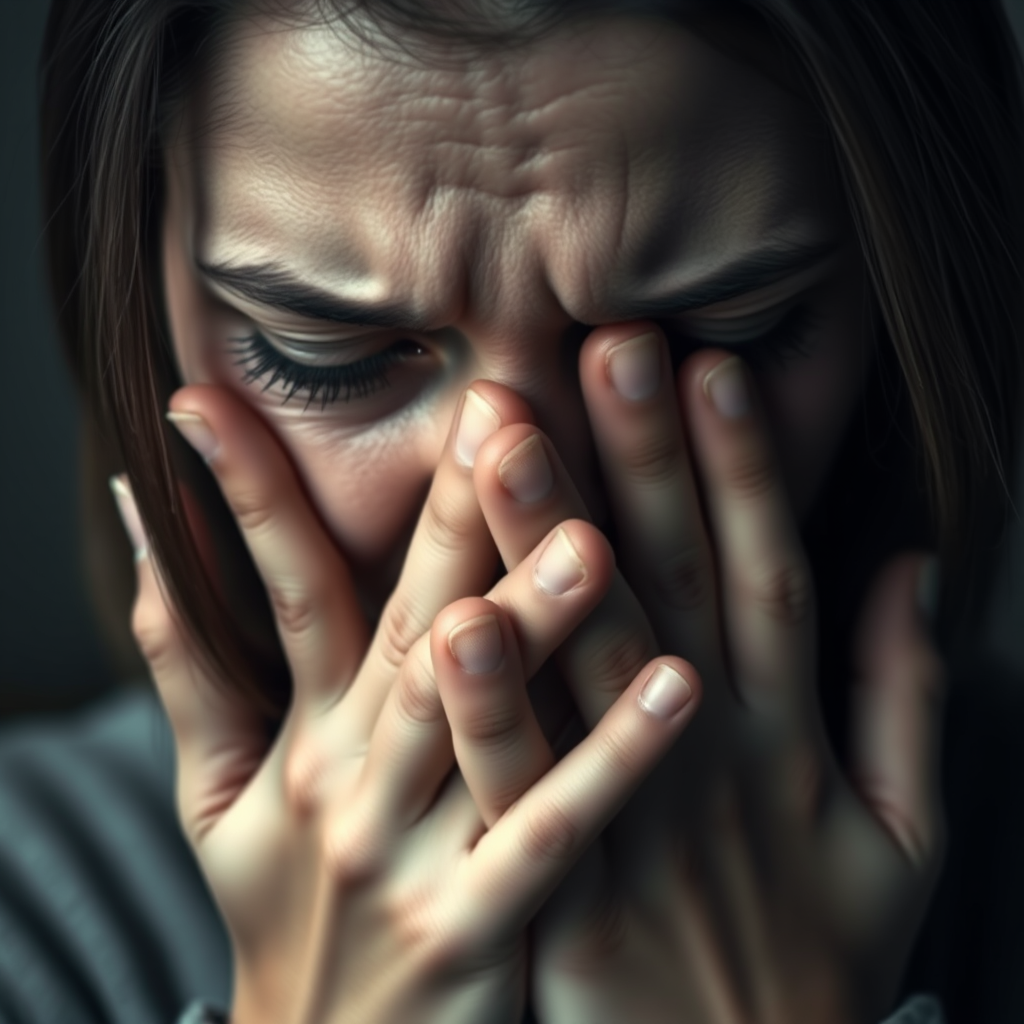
922 1009
202 1013
104 916
919 1010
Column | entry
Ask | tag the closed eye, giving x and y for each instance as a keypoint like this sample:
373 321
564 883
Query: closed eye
772 339
265 365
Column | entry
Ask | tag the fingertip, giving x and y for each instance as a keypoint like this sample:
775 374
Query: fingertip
197 398
496 448
669 690
601 340
209 416
203 415
478 645
510 407
475 422
124 499
594 549
466 630
486 408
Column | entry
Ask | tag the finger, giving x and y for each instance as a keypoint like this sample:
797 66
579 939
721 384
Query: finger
897 713
318 616
525 491
521 859
543 599
498 743
767 591
451 554
626 375
220 741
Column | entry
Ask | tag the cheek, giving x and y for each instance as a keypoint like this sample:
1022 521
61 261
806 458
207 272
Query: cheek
368 489
809 405
368 485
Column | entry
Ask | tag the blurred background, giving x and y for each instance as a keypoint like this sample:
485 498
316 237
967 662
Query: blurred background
50 653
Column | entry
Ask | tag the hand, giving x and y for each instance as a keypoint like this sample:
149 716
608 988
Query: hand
747 879
355 873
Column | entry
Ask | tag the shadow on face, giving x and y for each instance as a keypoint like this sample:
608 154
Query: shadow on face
351 239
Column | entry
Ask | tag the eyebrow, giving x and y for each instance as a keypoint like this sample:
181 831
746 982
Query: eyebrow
272 286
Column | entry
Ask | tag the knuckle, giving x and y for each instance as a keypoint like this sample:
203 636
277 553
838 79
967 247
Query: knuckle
444 948
549 833
654 459
448 522
350 850
155 634
416 695
303 779
785 592
610 658
603 938
296 607
684 580
750 475
495 727
400 627
911 836
253 508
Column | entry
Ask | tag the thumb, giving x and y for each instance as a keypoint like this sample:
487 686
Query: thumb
896 719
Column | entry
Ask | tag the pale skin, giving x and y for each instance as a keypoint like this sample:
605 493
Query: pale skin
487 207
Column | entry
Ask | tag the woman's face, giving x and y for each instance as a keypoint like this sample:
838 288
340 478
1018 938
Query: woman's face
352 238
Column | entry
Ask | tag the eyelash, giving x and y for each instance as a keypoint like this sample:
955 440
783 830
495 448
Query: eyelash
785 341
344 382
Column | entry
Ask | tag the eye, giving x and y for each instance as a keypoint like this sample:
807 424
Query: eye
786 338
264 364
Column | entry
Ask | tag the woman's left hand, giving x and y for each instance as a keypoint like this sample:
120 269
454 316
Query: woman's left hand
748 879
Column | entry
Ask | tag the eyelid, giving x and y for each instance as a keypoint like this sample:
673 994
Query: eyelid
781 295
287 329
736 329
754 315
324 350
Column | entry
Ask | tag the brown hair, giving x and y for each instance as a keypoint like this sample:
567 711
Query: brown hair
922 101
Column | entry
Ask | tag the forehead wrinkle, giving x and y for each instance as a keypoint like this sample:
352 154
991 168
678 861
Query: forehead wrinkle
495 113
589 206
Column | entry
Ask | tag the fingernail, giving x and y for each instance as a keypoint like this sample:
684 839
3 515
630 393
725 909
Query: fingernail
726 386
666 693
526 471
476 645
559 567
197 432
929 581
129 512
477 423
634 367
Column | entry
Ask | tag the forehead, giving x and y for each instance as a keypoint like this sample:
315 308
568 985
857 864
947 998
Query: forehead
617 158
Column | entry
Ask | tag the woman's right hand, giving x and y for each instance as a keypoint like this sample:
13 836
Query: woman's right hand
355 871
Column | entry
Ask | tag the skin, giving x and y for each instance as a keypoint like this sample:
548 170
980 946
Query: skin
730 868
580 177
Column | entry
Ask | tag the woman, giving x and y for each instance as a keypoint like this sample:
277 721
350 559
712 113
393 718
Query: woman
367 238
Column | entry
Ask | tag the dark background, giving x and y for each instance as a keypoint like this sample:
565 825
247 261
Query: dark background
50 653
